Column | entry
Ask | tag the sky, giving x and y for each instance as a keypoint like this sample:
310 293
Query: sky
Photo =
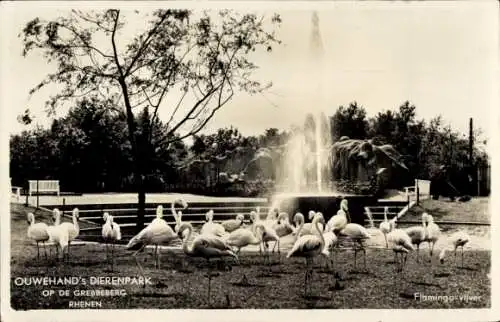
441 56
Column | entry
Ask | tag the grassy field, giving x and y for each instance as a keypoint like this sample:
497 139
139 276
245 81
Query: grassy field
251 284
475 210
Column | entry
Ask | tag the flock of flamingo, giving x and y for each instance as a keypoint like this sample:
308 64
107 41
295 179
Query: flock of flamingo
226 239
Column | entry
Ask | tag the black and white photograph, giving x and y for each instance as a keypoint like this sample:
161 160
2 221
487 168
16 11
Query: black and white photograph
331 155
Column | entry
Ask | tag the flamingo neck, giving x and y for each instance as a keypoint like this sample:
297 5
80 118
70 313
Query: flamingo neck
316 225
178 219
172 209
301 225
187 250
258 238
385 215
58 220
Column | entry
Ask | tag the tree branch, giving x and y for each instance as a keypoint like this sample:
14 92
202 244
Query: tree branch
144 45
87 45
193 109
113 42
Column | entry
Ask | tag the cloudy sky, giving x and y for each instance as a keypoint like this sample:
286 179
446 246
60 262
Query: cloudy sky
442 56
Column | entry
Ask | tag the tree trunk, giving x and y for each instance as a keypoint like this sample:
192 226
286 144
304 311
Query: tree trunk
141 206
139 180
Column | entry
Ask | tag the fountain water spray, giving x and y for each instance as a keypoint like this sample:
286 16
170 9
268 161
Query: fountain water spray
307 163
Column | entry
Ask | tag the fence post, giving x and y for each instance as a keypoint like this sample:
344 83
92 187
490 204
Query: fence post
417 191
37 195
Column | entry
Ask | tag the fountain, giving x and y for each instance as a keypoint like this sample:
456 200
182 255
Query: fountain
306 178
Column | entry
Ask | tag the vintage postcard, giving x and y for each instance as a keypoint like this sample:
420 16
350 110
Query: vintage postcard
278 160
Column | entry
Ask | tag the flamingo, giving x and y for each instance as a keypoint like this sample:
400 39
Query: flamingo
401 244
458 239
385 226
73 228
311 214
233 224
280 228
177 215
57 234
156 233
308 247
358 234
210 227
241 237
338 222
110 233
433 232
272 216
269 234
283 226
268 229
330 245
38 232
205 246
417 235
307 229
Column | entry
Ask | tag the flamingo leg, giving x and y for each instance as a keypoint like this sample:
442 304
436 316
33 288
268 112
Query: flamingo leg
158 256
279 252
67 251
396 261
45 250
268 255
305 278
112 255
209 280
154 255
462 256
138 264
364 257
418 251
333 258
386 243
311 275
37 251
355 256
404 263
106 246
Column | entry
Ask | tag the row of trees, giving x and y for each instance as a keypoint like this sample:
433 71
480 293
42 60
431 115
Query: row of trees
425 146
89 149
190 63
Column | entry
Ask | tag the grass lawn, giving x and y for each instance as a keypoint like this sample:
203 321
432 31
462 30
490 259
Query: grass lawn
264 286
475 210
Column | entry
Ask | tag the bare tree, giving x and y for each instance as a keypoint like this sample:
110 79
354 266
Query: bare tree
191 63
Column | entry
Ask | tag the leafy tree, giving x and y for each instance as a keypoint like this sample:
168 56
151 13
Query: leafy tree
198 63
383 126
350 121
